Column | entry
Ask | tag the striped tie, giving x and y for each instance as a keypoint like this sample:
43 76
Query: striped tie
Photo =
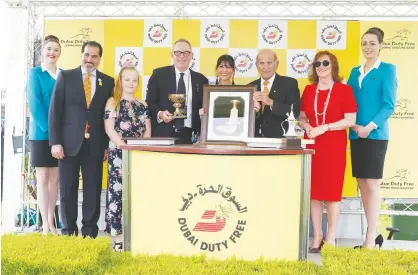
266 90
87 89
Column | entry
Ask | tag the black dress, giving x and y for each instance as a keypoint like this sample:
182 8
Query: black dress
129 122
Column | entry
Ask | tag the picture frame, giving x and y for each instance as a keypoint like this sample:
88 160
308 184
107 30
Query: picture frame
229 114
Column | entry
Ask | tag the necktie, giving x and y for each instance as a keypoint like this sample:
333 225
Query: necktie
87 92
87 89
181 89
265 91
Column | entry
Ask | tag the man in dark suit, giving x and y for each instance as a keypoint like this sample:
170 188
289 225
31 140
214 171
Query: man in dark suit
274 97
176 79
78 138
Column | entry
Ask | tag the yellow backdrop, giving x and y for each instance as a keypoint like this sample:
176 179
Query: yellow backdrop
147 43
400 178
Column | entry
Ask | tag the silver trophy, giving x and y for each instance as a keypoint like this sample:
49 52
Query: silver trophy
292 121
291 140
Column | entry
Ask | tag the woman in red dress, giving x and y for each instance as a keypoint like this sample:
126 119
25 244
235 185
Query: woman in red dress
328 108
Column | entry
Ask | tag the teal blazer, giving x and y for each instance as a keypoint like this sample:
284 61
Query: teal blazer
39 91
376 99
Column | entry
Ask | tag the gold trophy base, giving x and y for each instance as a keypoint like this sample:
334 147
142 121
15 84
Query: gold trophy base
179 116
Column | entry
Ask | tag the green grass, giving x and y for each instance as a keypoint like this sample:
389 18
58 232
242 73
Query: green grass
36 254
384 221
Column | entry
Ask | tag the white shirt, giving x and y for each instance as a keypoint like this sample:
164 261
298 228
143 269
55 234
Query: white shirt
92 78
52 74
363 75
189 91
271 80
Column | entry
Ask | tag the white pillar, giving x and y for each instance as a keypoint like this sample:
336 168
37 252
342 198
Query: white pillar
3 49
15 73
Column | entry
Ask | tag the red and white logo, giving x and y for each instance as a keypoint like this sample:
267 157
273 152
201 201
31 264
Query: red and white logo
212 219
157 33
211 226
244 62
331 35
272 34
214 33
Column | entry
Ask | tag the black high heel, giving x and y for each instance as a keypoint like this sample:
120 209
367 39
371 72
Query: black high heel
378 241
316 249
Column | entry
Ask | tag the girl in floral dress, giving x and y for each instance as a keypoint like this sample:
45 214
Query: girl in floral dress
125 116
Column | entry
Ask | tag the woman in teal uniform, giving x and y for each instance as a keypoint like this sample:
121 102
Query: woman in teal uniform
374 84
39 91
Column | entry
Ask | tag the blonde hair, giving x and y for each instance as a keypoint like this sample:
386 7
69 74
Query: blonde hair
117 92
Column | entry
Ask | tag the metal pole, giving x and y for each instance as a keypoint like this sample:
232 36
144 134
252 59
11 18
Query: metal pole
126 200
304 206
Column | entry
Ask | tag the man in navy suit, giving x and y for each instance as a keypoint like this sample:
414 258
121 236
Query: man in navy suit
176 79
276 95
78 138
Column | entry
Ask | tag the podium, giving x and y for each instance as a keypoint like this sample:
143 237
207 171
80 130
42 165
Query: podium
219 200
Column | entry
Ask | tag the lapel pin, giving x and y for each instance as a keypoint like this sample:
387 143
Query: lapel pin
100 82
274 91
374 78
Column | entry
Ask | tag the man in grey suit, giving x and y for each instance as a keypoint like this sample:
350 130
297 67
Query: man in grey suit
78 138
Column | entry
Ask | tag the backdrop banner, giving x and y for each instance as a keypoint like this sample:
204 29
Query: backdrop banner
147 44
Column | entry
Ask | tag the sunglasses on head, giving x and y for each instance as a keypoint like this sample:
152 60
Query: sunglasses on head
317 63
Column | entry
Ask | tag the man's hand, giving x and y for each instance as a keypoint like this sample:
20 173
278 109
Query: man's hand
166 116
202 111
57 151
260 96
257 106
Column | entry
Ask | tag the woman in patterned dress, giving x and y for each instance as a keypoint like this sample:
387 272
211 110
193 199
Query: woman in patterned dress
125 116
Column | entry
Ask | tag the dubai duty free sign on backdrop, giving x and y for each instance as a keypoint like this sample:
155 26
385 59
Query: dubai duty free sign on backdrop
147 44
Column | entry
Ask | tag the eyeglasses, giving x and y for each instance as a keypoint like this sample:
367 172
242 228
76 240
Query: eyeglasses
317 63
179 53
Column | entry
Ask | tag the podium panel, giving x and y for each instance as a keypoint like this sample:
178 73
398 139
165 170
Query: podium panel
243 205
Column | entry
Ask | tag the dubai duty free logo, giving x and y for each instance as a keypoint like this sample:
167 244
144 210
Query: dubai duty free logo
272 34
403 109
217 221
331 35
243 62
399 181
399 41
157 33
128 59
80 36
214 33
300 63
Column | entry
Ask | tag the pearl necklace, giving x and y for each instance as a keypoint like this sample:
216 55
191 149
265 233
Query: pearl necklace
325 105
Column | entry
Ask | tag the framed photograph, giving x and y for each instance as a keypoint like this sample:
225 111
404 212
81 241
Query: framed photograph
229 117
